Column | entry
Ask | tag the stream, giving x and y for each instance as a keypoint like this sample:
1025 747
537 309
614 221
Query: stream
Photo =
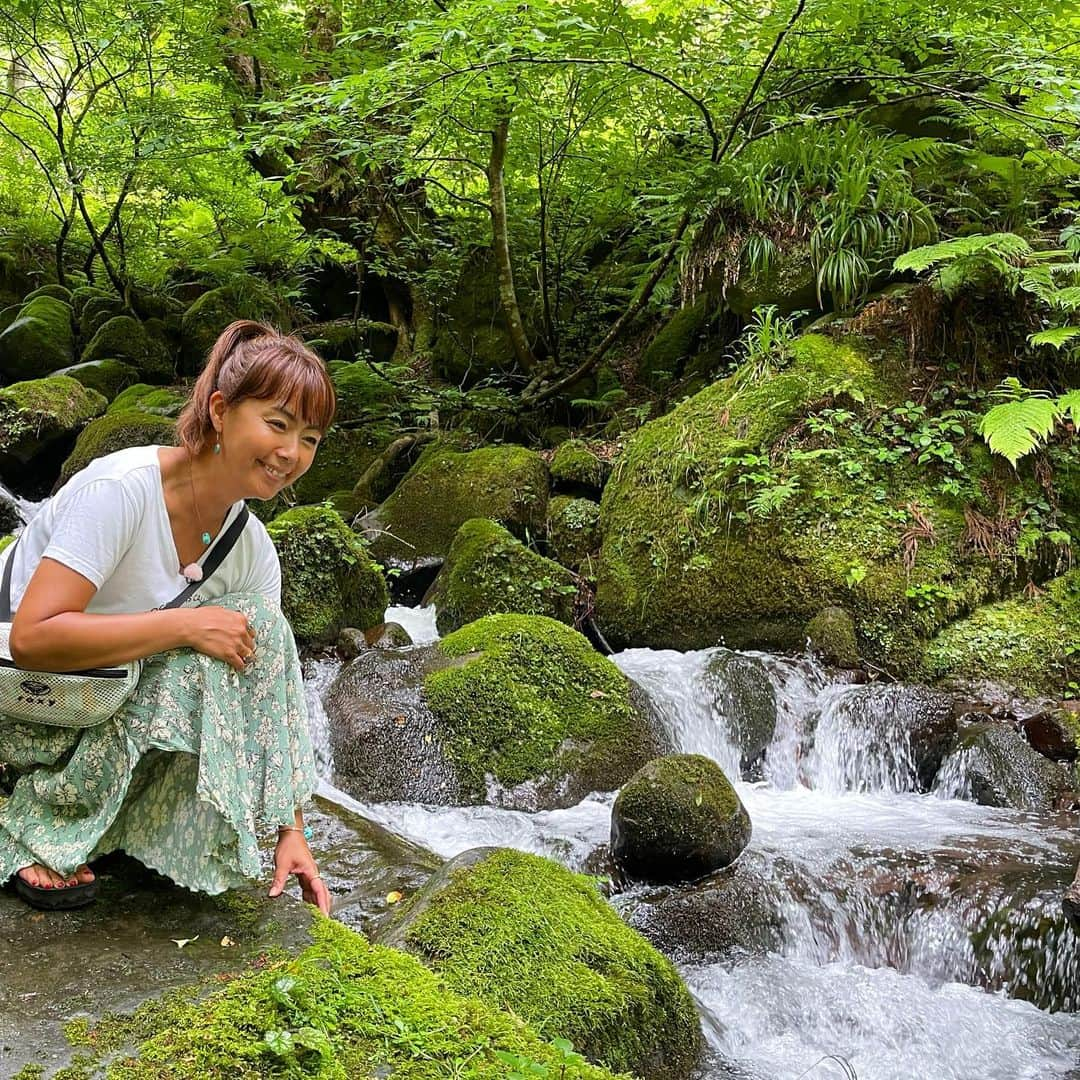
880 933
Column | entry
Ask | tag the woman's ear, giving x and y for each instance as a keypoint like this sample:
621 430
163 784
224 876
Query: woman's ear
217 406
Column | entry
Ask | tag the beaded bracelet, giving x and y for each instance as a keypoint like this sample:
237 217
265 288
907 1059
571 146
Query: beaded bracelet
307 830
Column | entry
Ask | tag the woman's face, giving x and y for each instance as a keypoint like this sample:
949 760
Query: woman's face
264 444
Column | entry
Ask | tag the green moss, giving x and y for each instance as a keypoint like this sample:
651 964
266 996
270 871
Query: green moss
674 342
362 392
317 550
117 431
81 296
1030 643
371 1011
343 456
203 322
6 541
535 700
790 284
57 292
39 341
831 634
531 937
8 315
488 571
38 411
573 530
96 312
575 465
159 400
125 338
445 488
107 377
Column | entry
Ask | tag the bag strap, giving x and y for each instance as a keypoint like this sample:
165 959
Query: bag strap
225 543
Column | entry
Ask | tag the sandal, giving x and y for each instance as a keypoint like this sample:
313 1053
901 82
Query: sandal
71 896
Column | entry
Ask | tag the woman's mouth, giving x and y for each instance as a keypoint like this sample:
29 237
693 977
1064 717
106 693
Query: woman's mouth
275 474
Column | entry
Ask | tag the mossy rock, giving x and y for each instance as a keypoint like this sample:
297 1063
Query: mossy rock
158 400
446 487
40 418
575 468
688 559
336 1009
789 284
744 699
96 312
526 935
57 292
674 343
573 530
361 392
831 635
1027 643
203 322
341 459
81 296
534 709
117 431
328 579
343 339
8 315
487 571
677 819
41 340
127 339
107 377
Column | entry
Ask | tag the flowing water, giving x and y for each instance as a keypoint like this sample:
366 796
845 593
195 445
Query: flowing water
913 936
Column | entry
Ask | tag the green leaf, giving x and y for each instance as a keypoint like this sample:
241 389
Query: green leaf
1056 336
1015 428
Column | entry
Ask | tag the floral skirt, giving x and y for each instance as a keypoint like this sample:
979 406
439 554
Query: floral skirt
181 777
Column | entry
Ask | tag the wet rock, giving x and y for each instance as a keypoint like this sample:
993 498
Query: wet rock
731 913
831 634
676 819
10 518
744 697
352 642
994 765
1054 733
526 934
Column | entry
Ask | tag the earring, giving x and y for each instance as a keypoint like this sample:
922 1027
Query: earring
217 447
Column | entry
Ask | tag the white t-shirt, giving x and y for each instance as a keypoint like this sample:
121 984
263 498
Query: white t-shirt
109 523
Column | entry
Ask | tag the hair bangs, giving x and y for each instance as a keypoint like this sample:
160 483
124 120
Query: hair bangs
294 378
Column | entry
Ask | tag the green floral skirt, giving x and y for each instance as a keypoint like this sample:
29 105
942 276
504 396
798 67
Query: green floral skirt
182 777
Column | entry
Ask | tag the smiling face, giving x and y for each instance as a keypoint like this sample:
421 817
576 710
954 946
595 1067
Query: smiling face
265 445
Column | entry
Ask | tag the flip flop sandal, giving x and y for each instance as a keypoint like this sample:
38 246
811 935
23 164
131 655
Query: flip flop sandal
71 896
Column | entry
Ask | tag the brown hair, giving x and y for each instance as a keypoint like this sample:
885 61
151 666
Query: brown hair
253 360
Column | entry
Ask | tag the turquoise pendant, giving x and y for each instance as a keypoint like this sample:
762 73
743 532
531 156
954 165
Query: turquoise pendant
206 538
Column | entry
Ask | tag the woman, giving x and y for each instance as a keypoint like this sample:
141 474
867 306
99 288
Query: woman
214 738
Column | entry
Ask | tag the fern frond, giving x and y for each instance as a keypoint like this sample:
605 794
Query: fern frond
1007 246
1056 336
1015 428
919 151
1069 405
1065 299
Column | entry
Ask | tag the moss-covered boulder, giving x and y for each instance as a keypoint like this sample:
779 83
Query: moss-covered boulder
127 339
82 295
831 636
362 393
1029 643
202 323
96 312
39 341
743 702
676 819
446 487
674 344
117 431
577 469
39 420
8 315
526 935
745 511
157 400
573 531
328 579
343 456
57 292
107 377
345 340
789 284
488 571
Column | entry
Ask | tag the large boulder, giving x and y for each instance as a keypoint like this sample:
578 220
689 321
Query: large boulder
666 356
344 454
95 312
527 935
994 766
488 571
39 420
446 487
788 284
39 341
57 292
676 819
573 530
512 710
744 702
203 322
117 431
1027 643
157 400
318 549
363 393
127 339
577 469
107 377
735 518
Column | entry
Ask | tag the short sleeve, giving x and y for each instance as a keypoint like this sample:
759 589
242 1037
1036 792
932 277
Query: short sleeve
93 529
265 574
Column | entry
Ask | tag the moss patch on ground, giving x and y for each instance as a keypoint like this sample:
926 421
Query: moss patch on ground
316 547
117 431
1031 643
342 1008
535 700
529 936
488 571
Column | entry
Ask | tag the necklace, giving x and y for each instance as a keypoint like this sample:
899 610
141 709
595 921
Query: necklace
193 571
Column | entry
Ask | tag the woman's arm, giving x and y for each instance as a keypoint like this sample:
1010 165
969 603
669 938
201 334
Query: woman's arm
53 632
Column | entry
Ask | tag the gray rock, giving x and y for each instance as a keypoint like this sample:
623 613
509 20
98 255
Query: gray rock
10 518
745 700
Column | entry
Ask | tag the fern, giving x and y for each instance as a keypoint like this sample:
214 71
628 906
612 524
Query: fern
1056 336
1069 406
1015 428
1007 247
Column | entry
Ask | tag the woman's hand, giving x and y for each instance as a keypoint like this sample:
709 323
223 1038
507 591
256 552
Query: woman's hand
220 632
292 856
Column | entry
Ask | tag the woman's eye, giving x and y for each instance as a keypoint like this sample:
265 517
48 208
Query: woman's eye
311 441
278 424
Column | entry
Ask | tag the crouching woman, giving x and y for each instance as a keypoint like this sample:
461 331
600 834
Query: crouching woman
213 742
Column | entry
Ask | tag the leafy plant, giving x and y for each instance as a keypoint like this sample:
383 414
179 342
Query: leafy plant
1024 419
